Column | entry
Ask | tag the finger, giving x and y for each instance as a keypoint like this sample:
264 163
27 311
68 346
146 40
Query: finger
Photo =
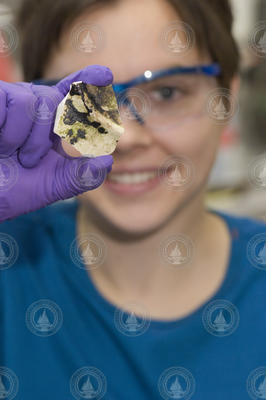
93 74
41 138
36 146
3 101
17 124
82 174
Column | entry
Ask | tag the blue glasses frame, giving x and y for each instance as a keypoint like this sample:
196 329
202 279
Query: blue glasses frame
211 70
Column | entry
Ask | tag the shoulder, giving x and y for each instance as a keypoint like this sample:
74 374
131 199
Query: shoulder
242 227
29 231
249 237
45 216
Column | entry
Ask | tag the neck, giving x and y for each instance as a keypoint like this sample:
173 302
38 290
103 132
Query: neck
134 267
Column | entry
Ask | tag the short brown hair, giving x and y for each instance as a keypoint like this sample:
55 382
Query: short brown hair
40 24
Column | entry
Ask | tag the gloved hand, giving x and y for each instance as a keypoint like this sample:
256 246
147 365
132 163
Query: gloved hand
34 169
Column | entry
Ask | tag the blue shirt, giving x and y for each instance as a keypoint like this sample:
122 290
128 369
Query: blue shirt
61 339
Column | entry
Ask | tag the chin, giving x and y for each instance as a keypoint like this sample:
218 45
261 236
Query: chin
122 224
134 227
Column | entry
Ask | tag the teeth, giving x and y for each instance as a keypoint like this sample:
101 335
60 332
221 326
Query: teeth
132 177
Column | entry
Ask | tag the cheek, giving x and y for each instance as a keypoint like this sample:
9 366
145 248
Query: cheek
196 140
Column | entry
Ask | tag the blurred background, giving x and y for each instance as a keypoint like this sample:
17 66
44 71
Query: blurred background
238 180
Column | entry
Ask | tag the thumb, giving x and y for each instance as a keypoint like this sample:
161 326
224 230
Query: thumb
81 174
97 75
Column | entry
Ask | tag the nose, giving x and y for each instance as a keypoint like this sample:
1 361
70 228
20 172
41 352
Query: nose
136 135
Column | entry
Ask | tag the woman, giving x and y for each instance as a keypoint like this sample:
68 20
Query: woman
166 300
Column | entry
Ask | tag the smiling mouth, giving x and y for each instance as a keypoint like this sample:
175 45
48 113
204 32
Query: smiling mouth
132 177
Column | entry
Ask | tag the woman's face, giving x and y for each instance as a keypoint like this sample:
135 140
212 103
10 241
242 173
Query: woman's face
132 45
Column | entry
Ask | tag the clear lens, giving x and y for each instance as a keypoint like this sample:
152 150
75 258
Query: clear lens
165 102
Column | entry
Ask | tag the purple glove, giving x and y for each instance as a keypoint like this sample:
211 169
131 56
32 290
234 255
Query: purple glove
34 169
